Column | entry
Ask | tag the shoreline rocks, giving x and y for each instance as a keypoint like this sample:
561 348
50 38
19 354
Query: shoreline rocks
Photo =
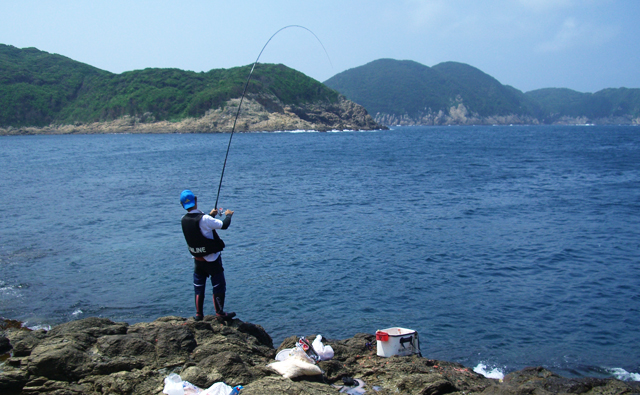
259 113
459 115
99 356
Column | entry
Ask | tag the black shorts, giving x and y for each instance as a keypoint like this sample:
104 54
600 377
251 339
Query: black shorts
206 269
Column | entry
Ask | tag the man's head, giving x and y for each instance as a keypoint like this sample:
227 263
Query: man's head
187 199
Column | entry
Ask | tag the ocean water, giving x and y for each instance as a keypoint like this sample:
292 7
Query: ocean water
504 247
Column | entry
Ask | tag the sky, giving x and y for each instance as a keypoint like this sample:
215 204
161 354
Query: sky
584 45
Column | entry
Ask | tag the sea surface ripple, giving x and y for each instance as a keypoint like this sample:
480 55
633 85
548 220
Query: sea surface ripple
502 246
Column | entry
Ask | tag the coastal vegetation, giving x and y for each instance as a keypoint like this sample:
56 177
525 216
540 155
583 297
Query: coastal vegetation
50 93
38 89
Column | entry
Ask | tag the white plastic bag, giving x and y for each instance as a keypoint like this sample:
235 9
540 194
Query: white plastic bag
284 354
298 364
324 352
174 385
218 389
293 352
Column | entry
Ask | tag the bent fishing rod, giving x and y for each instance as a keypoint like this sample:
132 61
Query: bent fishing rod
246 85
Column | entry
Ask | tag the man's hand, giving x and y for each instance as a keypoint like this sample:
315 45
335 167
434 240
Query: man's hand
228 212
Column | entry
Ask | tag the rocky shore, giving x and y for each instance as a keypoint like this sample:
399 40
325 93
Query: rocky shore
259 113
460 115
98 356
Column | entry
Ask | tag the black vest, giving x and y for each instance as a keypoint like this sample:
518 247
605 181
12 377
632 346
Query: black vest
199 245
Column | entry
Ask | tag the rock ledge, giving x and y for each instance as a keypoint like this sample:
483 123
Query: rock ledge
98 356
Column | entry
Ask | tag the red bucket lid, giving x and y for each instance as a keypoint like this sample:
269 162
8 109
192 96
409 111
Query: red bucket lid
382 336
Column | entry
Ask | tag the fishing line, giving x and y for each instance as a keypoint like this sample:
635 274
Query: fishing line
245 91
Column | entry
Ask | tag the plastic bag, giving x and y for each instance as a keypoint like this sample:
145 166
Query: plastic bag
298 364
324 352
218 389
174 385
284 354
293 352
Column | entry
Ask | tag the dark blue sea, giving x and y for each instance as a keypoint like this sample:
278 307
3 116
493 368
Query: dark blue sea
504 247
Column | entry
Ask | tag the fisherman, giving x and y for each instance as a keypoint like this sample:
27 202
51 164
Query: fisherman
205 245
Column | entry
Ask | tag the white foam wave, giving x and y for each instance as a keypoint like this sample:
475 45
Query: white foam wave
294 131
10 291
494 373
77 312
326 131
623 375
37 327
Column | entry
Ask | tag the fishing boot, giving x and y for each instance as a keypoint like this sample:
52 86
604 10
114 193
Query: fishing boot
199 308
218 304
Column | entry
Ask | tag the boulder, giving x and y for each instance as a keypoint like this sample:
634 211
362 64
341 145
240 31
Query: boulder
24 341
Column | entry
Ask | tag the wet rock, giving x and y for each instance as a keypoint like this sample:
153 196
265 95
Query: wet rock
537 380
10 324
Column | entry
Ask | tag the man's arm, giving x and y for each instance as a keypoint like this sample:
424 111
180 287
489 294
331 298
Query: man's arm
227 219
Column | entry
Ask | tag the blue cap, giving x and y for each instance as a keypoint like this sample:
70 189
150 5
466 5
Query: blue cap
187 199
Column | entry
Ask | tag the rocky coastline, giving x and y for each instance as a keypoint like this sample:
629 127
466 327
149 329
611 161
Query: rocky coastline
99 356
460 115
259 113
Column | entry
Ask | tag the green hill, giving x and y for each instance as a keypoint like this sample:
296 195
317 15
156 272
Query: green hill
38 89
482 93
403 87
36 86
613 104
392 86
407 92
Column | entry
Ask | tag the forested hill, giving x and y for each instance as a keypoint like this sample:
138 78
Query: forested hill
605 106
39 89
403 92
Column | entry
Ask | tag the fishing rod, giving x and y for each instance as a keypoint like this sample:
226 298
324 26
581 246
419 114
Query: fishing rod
246 85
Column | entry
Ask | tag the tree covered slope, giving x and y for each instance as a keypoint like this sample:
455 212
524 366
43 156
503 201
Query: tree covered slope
407 92
38 89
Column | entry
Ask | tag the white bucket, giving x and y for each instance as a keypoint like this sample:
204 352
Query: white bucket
397 341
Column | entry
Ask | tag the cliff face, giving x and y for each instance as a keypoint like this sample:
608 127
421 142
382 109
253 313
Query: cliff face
98 356
258 113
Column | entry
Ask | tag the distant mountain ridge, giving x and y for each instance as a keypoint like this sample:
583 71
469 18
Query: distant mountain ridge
43 92
404 92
